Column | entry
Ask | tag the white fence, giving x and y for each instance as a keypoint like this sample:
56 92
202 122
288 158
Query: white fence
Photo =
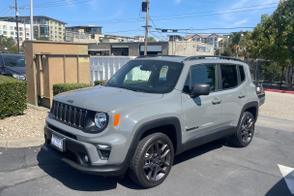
103 67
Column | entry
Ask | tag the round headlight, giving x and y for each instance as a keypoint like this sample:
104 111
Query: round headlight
100 120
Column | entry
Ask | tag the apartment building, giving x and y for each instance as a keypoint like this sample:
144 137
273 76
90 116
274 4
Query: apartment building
211 39
8 29
45 28
83 34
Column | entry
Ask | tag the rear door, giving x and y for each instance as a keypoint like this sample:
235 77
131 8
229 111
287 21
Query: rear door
232 93
201 114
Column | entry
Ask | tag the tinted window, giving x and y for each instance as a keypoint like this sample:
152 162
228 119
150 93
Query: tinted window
147 76
1 61
201 74
229 76
14 60
242 73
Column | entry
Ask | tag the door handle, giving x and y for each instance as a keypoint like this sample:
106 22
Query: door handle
216 101
241 96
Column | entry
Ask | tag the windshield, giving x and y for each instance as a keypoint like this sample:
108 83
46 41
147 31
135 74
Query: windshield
14 60
147 76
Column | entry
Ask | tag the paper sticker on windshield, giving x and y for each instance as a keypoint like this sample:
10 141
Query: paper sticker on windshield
163 72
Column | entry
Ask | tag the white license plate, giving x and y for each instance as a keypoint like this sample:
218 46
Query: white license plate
57 142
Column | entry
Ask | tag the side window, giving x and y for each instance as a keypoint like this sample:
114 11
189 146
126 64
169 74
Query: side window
242 73
201 74
229 76
1 61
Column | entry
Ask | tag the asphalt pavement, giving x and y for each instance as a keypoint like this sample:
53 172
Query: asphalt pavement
212 169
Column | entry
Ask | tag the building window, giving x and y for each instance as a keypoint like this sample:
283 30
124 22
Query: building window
44 30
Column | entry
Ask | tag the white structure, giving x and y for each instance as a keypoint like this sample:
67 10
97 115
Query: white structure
103 67
8 29
189 48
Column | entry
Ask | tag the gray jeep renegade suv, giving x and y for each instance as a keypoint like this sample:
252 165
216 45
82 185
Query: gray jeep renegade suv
152 109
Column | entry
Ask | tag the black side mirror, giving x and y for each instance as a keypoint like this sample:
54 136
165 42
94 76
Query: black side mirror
199 89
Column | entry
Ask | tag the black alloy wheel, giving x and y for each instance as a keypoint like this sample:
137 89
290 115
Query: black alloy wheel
152 160
244 132
157 160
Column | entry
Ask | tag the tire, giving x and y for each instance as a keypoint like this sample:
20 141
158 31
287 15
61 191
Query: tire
245 131
152 160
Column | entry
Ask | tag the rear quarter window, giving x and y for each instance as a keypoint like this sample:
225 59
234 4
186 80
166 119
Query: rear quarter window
242 73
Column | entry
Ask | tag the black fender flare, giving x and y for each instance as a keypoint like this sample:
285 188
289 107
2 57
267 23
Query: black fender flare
139 132
247 106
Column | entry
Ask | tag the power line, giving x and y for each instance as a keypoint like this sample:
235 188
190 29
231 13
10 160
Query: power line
173 17
213 12
155 27
164 30
59 4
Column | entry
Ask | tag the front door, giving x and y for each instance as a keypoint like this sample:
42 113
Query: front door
202 115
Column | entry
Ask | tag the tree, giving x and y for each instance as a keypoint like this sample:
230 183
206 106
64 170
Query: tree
234 45
7 44
151 39
272 39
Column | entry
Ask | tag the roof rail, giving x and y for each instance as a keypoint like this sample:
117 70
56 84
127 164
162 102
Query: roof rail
191 58
142 56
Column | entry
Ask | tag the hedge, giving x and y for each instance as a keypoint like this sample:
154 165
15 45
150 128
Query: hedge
12 97
99 82
60 88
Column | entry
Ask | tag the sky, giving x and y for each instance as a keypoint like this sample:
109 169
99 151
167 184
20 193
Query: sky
124 17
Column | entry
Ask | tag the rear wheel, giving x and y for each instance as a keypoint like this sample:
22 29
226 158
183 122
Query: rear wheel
245 131
152 160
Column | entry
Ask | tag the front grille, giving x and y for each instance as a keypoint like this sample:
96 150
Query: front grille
70 115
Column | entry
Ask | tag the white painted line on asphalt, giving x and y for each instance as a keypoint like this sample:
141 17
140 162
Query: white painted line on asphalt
288 175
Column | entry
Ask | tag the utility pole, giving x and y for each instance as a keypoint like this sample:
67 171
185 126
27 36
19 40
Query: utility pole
16 18
32 20
146 27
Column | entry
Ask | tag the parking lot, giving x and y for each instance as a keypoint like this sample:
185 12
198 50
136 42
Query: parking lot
212 169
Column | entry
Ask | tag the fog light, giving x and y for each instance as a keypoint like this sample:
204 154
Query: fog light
86 158
103 147
104 151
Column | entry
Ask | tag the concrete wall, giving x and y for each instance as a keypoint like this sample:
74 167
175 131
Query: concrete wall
49 63
133 47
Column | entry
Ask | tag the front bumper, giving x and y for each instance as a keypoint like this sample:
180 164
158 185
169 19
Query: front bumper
75 151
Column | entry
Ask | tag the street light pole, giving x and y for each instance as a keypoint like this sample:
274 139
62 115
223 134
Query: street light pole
32 20
146 28
17 28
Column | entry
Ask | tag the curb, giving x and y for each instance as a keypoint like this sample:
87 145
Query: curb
279 91
21 143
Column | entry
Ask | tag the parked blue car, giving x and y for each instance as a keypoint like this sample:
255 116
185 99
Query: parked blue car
12 65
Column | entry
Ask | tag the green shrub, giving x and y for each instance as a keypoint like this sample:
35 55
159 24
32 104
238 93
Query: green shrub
60 88
13 100
99 82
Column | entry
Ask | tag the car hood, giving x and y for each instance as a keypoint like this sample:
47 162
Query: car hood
105 99
16 70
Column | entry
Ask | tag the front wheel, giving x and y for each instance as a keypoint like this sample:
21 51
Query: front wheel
152 160
245 131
